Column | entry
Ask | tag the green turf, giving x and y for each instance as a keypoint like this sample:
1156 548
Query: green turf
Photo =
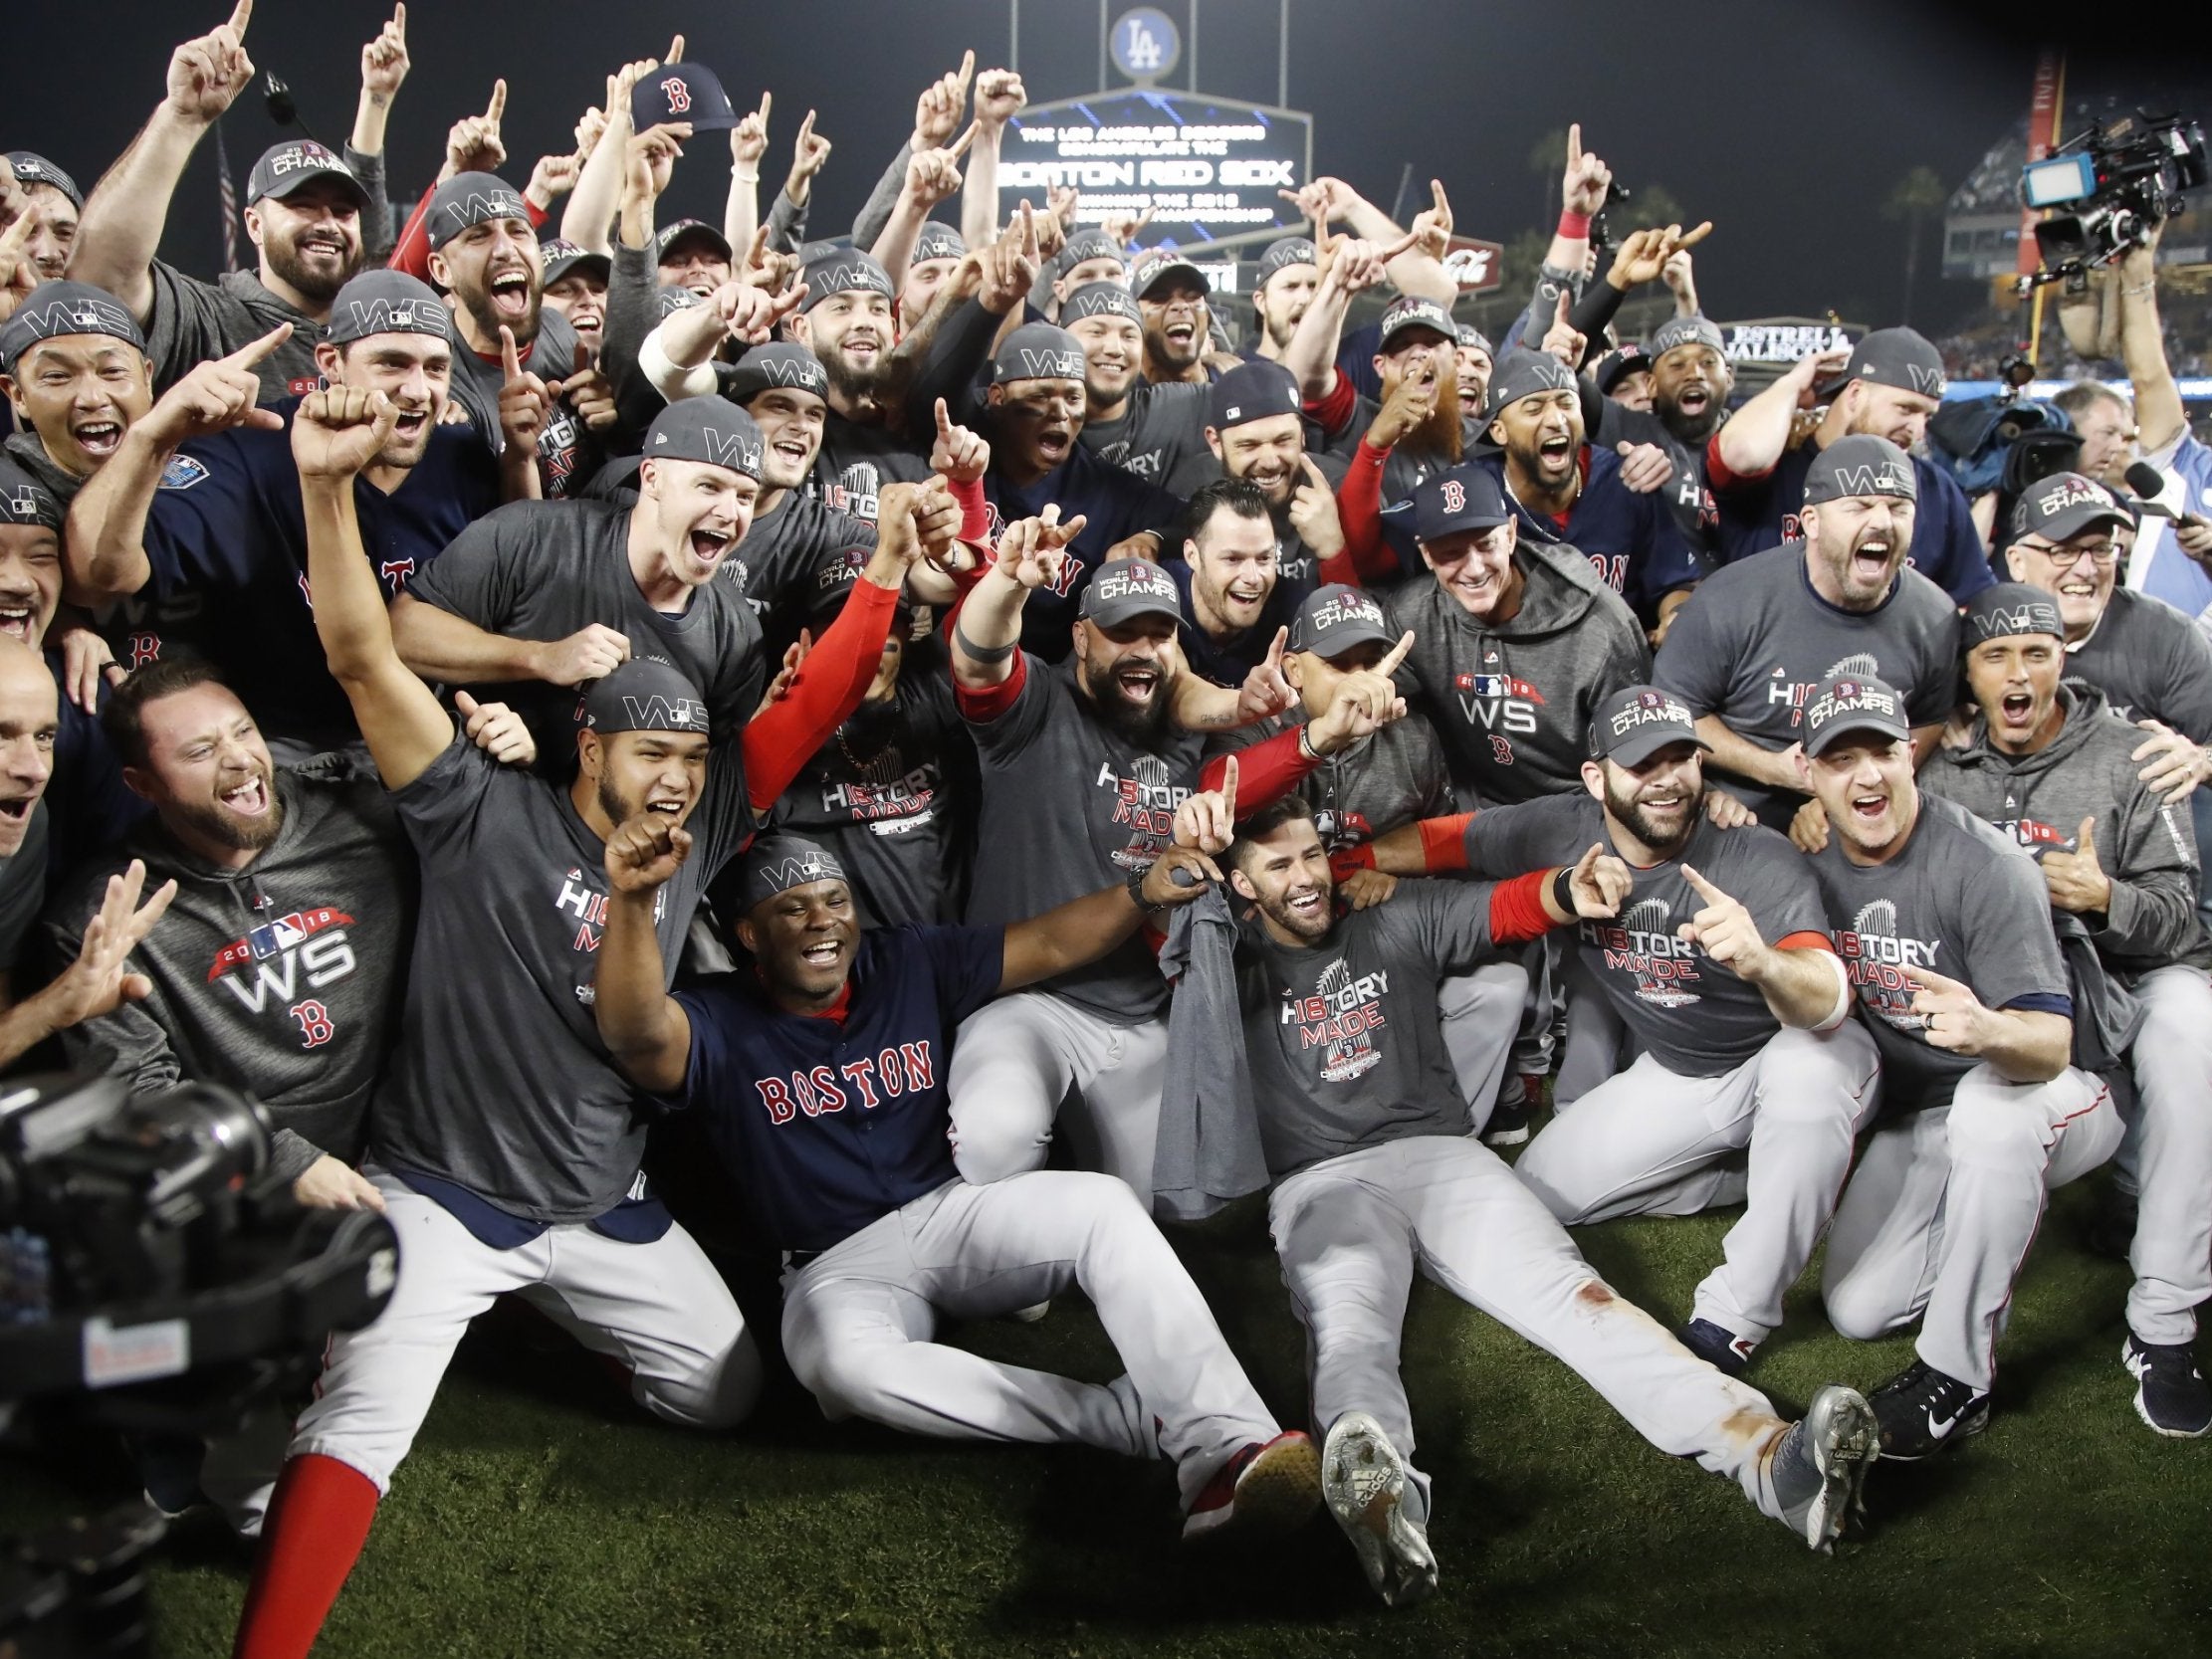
539 1516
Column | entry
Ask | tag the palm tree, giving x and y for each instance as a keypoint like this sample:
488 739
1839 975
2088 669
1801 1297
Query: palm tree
1917 198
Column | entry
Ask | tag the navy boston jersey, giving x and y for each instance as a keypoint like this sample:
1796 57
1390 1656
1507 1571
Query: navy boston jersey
226 538
1115 505
828 1123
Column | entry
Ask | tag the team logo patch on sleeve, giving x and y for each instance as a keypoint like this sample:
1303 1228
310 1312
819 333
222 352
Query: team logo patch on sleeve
183 472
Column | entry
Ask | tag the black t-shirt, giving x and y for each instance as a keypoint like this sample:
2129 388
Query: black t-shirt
1159 429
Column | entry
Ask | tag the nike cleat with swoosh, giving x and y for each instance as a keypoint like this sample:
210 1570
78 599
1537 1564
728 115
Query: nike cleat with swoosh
1922 1410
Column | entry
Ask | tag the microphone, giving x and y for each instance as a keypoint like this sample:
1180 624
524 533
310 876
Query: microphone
2147 481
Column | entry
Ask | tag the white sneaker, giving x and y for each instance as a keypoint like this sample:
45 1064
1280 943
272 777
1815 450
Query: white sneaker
1363 1481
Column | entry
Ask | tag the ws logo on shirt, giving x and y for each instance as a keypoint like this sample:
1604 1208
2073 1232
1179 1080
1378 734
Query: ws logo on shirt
307 946
1876 955
1643 943
1500 705
1339 1017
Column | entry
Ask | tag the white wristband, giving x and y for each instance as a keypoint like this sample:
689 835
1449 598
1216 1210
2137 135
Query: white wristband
672 382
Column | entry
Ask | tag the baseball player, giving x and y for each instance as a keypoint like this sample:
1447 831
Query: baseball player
820 1071
1721 967
1757 637
1234 604
1945 927
49 199
2048 763
1145 427
1255 432
515 1168
72 366
198 515
1374 1177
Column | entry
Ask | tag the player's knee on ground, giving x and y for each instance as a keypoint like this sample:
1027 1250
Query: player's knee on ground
1862 1306
1991 1127
719 1392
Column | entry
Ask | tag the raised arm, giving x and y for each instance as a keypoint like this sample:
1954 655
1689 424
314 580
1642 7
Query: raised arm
1805 985
2160 418
987 629
1352 267
930 176
1416 260
335 434
384 65
1083 929
121 223
749 141
1752 439
98 982
646 1030
999 97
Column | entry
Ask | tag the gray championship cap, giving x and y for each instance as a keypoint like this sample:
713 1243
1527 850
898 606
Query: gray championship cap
645 694
1253 391
1124 589
1848 703
25 501
1860 465
776 863
689 230
1472 338
1636 721
709 429
2063 506
1410 311
1038 352
1334 618
52 309
387 302
1156 265
466 200
32 168
765 368
1685 330
938 240
558 258
1100 300
2010 609
1088 245
1284 253
286 167
1525 374
1899 357
671 297
844 271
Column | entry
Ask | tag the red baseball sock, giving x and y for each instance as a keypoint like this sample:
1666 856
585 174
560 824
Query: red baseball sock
317 1521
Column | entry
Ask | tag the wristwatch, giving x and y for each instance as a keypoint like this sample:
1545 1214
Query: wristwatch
1136 884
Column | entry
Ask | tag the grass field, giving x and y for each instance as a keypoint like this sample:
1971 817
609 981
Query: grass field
540 1515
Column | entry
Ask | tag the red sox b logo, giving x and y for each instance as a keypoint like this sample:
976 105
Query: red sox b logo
1454 496
316 1028
679 96
145 648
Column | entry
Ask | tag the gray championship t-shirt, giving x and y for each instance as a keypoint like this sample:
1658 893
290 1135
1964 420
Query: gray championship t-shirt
857 461
1342 1036
784 552
500 1082
1160 428
1391 778
192 322
1755 643
1693 1014
543 570
1961 900
1071 806
552 356
2152 663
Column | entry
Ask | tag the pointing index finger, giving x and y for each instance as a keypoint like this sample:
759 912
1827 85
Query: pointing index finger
253 351
509 360
498 106
1395 655
944 421
399 21
959 144
1706 890
240 16
1228 788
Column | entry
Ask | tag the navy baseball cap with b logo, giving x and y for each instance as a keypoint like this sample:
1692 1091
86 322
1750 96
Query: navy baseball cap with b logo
387 302
2009 610
1334 618
1464 499
2065 505
52 309
286 167
689 92
645 694
1253 391
466 200
1636 721
1848 703
708 429
1126 588
1038 352
1860 465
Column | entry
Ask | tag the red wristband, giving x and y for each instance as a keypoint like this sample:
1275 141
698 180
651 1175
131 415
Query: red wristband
1444 842
1574 226
1345 860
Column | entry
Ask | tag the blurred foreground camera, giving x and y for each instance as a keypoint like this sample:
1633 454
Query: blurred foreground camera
2115 182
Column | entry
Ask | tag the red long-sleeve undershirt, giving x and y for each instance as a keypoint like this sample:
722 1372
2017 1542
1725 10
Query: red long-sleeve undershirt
824 692
1265 772
1359 508
985 704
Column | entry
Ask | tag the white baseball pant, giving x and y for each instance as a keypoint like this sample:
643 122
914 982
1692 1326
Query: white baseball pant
1652 1143
1942 1208
2167 1157
1599 1045
659 1307
1015 1060
1351 1231
1479 1014
859 1318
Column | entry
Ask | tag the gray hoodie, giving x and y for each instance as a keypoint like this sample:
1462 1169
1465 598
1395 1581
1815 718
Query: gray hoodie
2144 846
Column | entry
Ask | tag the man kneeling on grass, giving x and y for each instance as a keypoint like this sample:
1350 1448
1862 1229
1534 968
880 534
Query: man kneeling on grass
820 1069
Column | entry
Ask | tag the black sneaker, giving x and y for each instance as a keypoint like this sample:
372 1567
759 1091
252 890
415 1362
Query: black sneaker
1921 1412
1510 1119
2170 1393
1718 1347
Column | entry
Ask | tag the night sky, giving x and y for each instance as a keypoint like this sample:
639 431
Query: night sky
1785 124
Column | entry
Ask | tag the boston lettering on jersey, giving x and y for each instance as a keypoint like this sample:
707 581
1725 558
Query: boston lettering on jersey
909 1068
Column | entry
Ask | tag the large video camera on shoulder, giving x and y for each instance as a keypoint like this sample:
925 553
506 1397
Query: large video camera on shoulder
2117 181
155 1275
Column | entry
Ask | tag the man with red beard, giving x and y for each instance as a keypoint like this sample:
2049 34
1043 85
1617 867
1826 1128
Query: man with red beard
199 514
1145 427
1416 430
304 216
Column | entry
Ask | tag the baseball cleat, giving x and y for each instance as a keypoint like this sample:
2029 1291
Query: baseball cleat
1262 1490
1363 1481
1922 1410
1717 1345
2170 1393
1820 1464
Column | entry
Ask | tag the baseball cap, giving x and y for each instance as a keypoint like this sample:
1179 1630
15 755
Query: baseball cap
777 863
2011 609
844 271
1636 721
25 501
556 258
1619 363
32 168
469 199
710 429
1466 498
1333 618
1901 357
671 297
835 575
1472 338
1156 265
2063 506
1284 253
1410 311
685 92
645 694
1685 330
284 168
54 309
938 240
1860 465
1848 703
387 302
1038 352
1524 374
1100 300
1127 589
1253 391
783 363
689 230
1088 245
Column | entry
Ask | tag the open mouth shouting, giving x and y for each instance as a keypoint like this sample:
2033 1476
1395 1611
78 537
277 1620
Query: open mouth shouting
1055 440
708 545
1137 682
19 616
98 438
825 955
1869 560
1694 399
2016 711
248 798
15 818
796 453
1555 455
409 424
509 288
1870 808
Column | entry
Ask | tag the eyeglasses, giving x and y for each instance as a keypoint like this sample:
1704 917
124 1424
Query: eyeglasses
2100 554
